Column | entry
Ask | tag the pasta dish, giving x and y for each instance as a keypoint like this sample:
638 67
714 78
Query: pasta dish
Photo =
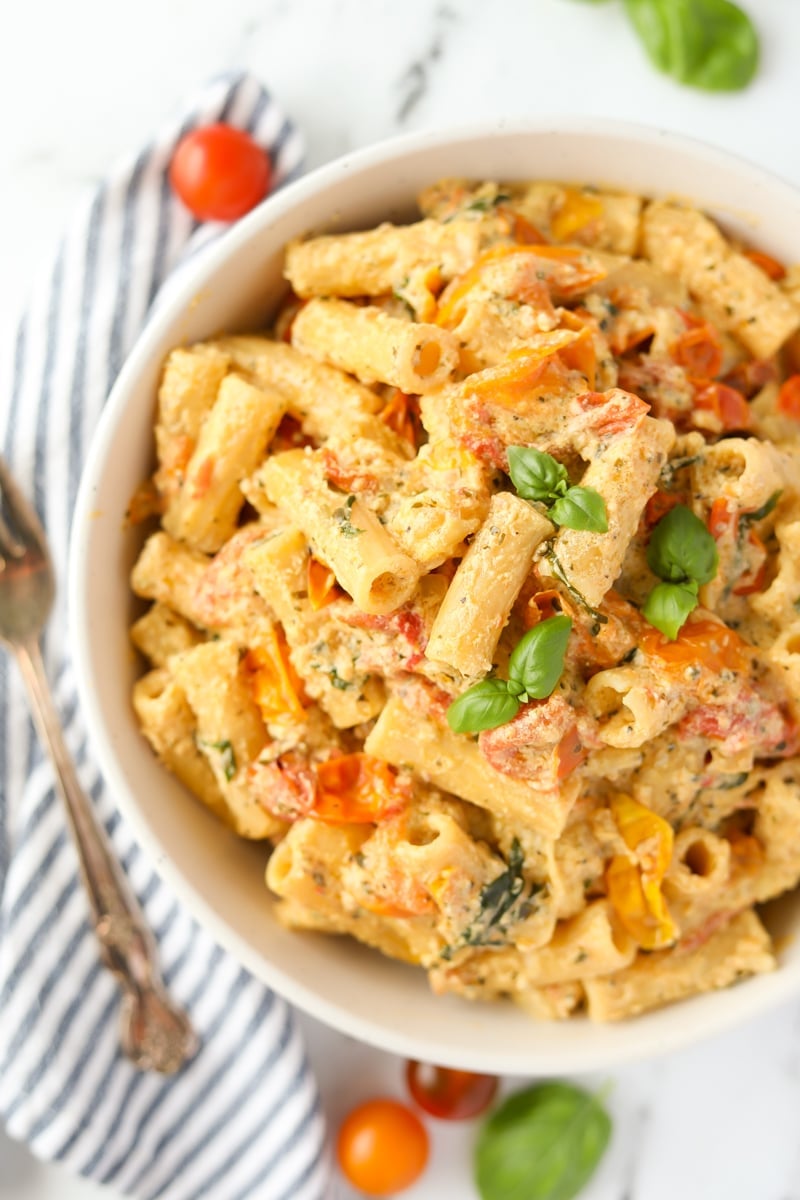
475 593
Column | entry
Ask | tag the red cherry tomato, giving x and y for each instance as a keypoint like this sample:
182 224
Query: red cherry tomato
382 1147
447 1094
219 172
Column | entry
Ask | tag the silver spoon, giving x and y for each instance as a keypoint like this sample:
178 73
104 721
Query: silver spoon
156 1034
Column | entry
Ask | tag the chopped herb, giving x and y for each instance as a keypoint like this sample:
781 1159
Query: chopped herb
487 203
337 681
227 756
731 781
796 605
342 518
398 295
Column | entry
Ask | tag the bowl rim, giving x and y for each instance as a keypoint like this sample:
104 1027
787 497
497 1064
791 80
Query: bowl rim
176 295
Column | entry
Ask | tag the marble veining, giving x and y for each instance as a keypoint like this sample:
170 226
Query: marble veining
718 1121
416 79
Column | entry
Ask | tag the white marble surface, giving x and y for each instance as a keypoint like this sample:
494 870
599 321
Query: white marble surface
84 81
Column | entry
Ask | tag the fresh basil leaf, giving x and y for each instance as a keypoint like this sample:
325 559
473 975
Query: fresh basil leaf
483 706
543 1143
682 549
580 508
668 606
710 44
536 475
537 661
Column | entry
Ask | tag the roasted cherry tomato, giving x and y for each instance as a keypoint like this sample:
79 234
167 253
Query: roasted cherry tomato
448 1094
219 172
382 1147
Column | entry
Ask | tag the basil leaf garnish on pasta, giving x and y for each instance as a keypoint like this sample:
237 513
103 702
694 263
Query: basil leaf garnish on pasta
542 479
483 706
536 475
668 606
684 555
534 668
537 661
580 508
682 549
542 1143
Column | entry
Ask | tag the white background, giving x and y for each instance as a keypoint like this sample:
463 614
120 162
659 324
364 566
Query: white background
85 81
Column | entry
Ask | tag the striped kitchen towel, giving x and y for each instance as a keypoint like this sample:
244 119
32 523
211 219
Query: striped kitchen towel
242 1119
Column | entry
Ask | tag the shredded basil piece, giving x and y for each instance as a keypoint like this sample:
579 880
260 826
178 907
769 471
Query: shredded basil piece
505 900
227 756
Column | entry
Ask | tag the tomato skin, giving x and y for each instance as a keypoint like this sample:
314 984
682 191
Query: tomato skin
382 1147
789 398
219 172
727 404
699 349
448 1094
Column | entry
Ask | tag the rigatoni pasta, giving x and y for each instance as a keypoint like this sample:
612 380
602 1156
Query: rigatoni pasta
475 596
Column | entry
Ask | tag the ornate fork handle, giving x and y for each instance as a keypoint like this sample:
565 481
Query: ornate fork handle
155 1033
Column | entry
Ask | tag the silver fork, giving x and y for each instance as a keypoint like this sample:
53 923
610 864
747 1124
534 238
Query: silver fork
155 1033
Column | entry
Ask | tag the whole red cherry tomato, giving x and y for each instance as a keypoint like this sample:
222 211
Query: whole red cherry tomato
219 172
382 1147
448 1094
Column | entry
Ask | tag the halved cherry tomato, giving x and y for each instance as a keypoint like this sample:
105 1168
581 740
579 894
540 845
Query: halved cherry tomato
789 397
699 349
401 413
571 753
448 1094
704 643
219 172
727 404
274 684
659 504
382 1147
750 376
321 584
765 262
524 232
357 789
577 212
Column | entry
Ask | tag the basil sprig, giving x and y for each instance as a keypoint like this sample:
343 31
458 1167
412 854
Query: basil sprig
708 44
540 477
543 1143
534 669
684 555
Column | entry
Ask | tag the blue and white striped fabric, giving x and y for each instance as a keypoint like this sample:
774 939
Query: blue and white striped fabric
243 1119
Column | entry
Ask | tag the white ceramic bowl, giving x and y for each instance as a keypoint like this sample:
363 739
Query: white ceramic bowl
220 878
